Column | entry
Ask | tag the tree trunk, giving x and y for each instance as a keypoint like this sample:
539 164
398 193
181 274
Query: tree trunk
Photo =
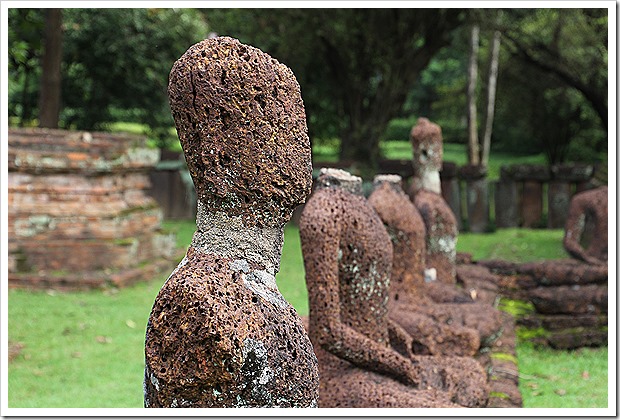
491 89
472 75
49 96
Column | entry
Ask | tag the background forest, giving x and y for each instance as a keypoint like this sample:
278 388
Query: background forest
366 74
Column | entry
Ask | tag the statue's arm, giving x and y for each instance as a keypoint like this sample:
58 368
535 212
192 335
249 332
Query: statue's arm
575 224
328 330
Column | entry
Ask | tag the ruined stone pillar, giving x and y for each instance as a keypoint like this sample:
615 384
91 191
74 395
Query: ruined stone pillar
506 201
477 188
558 199
450 189
564 176
533 178
220 334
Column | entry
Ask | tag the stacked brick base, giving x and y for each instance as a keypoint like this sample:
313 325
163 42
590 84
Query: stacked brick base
569 298
79 216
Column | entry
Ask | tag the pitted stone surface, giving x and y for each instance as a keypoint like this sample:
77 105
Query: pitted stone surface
220 334
412 300
425 192
242 126
366 359
441 234
588 207
427 143
214 342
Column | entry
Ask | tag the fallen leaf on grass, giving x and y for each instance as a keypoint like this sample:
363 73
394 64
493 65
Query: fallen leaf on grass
130 323
103 340
560 392
532 385
536 393
15 349
76 355
585 375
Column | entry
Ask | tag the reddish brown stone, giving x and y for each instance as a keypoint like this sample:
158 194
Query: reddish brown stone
410 294
441 234
220 333
588 207
365 358
558 199
532 204
78 210
574 340
589 299
233 108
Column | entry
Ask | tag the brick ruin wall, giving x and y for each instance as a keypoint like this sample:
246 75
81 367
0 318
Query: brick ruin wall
78 213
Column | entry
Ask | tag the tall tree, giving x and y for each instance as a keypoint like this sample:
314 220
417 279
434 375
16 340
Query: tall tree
570 44
50 94
25 33
473 143
491 91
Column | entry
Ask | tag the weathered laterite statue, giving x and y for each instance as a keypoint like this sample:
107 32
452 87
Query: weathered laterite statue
220 334
366 359
441 237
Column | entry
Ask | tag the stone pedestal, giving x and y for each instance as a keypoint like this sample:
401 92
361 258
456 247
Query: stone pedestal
78 213
558 199
506 204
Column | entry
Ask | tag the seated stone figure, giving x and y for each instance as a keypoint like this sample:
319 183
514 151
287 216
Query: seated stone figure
441 235
409 292
588 207
425 192
220 334
365 359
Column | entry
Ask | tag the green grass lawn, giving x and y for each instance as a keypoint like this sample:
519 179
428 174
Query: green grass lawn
86 349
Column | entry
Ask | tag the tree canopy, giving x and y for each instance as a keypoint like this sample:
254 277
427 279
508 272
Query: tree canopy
360 70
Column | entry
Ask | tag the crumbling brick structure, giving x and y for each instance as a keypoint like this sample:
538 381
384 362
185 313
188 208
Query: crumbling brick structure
220 334
79 215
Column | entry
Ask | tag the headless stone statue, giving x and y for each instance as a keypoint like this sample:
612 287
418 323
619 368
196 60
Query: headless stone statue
425 192
220 334
409 292
588 207
365 359
441 236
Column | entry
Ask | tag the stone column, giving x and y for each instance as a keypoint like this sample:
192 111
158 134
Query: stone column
506 201
450 189
564 176
533 177
477 197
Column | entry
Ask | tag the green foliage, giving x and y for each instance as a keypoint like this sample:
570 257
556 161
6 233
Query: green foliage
516 308
25 33
115 64
553 83
354 66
